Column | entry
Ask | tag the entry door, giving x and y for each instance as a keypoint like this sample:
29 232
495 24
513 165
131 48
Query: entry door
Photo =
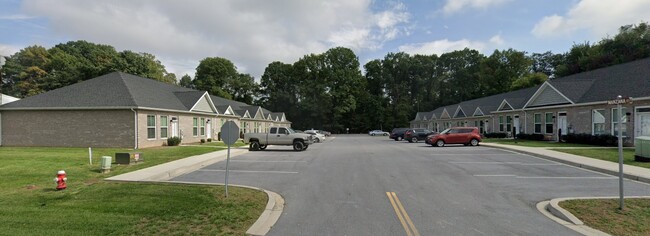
561 123
174 127
208 131
515 124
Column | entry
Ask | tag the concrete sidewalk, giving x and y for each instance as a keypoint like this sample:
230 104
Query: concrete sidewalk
629 171
169 170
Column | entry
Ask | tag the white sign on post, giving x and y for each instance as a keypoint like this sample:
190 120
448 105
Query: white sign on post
229 135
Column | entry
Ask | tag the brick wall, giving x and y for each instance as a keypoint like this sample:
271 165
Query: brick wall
83 128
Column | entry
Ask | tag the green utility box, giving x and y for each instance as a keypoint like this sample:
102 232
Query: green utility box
642 149
106 164
127 158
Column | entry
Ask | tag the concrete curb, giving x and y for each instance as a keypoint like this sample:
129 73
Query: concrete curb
175 168
164 172
553 210
572 163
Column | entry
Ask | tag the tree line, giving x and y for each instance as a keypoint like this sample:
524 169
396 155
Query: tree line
328 90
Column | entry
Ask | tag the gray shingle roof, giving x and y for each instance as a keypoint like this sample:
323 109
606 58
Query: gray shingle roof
189 98
111 90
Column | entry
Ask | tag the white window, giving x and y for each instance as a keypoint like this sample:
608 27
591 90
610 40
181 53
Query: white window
549 123
598 122
501 123
195 126
151 127
164 125
615 122
538 123
202 126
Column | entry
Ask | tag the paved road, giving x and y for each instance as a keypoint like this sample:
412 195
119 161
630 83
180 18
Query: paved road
344 187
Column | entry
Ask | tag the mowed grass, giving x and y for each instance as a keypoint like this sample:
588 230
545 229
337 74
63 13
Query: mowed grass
533 143
610 154
604 215
30 205
239 143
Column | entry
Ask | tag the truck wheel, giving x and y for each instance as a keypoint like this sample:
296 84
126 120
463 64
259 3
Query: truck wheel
298 146
306 146
263 147
255 146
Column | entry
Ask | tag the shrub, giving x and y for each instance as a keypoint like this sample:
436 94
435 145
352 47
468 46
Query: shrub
202 140
599 140
209 140
530 136
173 141
495 135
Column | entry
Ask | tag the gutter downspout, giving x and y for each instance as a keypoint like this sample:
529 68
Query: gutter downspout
135 120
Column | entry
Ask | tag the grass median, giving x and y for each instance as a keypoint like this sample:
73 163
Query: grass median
609 154
91 206
604 215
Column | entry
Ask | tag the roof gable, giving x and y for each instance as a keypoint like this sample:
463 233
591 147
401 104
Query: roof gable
547 95
445 114
478 112
226 110
459 112
505 106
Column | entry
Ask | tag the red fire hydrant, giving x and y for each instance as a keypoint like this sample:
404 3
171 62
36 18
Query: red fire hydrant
60 180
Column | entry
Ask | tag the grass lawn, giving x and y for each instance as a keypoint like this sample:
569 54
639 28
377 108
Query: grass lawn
532 143
607 155
604 215
91 206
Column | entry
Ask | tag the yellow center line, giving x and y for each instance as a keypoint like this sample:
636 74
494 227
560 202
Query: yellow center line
404 218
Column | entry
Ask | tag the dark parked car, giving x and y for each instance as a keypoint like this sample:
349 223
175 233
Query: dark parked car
397 134
415 135
455 135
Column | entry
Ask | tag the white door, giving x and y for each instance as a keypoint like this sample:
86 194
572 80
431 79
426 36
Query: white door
174 127
208 130
515 123
561 123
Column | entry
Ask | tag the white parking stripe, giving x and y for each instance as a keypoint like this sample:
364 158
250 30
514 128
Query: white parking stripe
561 177
252 171
263 161
547 177
504 163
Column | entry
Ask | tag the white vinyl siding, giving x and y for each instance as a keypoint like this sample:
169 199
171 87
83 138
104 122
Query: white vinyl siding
548 97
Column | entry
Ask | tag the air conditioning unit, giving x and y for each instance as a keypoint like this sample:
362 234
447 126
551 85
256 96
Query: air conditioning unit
642 149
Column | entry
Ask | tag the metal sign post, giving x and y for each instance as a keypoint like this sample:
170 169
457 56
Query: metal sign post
230 135
618 101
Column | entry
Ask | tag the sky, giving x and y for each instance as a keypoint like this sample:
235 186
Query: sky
254 33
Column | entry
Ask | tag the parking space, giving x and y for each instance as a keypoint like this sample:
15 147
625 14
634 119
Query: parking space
363 185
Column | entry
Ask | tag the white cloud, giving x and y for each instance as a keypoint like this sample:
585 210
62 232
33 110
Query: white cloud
453 6
441 46
16 17
250 33
497 40
8 50
599 17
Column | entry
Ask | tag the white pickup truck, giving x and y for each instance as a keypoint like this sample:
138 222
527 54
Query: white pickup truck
278 136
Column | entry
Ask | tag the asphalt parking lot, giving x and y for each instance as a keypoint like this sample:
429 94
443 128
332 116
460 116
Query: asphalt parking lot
362 185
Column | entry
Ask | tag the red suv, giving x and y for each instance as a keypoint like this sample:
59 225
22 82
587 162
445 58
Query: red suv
455 135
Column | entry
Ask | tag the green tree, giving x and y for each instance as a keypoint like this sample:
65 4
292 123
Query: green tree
499 70
214 74
25 71
186 81
529 80
279 89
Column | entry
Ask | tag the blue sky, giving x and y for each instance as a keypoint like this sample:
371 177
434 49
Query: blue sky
253 33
